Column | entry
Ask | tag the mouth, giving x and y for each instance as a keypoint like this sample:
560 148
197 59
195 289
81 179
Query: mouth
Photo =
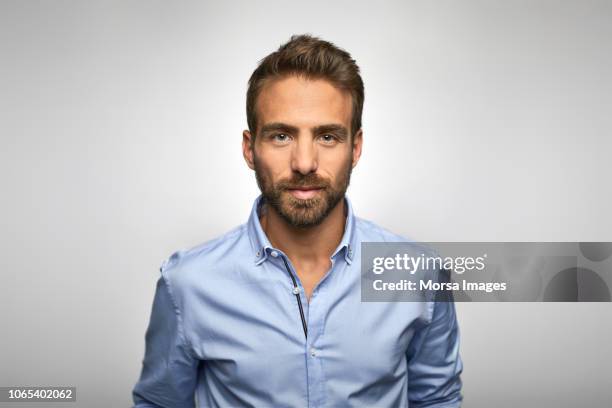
304 193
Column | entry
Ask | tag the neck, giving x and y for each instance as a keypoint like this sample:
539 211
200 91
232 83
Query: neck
313 243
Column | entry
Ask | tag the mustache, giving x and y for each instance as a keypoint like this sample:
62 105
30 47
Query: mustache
309 180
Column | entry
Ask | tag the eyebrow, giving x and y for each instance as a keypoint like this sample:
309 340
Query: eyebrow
277 126
339 130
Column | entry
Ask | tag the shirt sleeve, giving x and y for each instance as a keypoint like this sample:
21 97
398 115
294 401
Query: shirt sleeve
169 369
434 364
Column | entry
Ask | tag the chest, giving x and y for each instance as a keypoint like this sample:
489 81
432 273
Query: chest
257 333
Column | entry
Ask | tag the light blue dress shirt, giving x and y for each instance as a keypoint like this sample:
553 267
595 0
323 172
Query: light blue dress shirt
226 331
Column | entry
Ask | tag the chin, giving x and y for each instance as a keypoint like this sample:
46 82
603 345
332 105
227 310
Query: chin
304 216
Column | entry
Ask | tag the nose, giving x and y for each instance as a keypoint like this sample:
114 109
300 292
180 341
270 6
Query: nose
304 157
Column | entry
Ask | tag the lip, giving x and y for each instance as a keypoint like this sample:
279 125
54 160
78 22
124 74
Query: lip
307 188
304 193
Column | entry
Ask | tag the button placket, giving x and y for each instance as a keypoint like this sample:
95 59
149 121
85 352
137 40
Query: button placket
314 362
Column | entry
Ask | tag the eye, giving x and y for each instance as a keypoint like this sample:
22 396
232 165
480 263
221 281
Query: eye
280 138
328 138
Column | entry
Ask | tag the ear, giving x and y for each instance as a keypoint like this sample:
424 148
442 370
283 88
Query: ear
357 145
247 148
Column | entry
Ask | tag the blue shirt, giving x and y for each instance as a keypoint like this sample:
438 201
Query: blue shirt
226 331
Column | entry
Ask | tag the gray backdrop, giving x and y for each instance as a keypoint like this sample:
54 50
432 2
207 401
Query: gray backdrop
121 127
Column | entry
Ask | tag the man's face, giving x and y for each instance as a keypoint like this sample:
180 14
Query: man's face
303 153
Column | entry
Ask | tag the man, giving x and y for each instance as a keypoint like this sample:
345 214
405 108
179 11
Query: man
270 314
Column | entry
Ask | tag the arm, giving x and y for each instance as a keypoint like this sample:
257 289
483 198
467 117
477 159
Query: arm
169 370
434 364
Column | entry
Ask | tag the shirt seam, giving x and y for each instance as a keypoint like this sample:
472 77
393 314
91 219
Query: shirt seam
180 324
432 303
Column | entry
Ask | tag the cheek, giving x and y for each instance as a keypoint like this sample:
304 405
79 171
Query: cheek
274 162
334 164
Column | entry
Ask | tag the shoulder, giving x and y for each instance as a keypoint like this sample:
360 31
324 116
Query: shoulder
187 266
384 242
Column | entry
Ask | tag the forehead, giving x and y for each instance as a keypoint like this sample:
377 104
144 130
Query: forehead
303 102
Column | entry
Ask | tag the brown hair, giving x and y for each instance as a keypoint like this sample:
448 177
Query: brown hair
312 58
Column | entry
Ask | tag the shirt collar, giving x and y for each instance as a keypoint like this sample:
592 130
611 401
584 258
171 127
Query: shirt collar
262 247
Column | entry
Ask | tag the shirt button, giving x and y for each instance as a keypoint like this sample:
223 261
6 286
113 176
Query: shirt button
313 352
296 290
274 254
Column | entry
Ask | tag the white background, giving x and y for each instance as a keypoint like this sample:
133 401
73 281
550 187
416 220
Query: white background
121 127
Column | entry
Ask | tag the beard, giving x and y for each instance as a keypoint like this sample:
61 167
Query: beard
302 213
